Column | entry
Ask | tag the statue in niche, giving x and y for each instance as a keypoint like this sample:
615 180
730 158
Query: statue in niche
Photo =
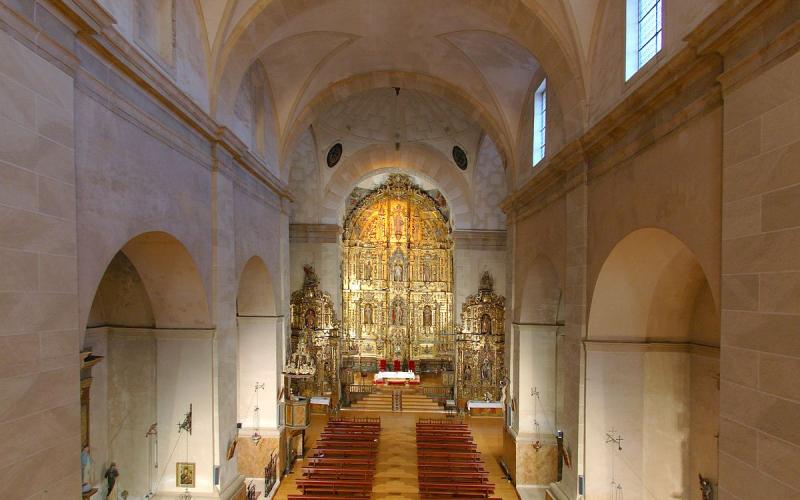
86 469
398 271
426 272
368 314
486 371
397 314
467 373
706 488
311 319
398 224
368 270
486 324
426 316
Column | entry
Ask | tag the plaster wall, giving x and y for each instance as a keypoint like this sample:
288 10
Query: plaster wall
644 398
326 259
258 344
129 182
673 185
469 265
606 72
184 377
131 406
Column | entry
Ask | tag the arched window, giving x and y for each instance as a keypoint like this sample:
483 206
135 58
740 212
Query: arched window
642 34
539 122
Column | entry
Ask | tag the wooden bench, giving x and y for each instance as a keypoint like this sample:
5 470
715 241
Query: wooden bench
333 486
326 497
474 476
448 465
342 462
482 490
447 446
450 455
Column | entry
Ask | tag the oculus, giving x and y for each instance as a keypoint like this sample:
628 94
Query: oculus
460 157
334 155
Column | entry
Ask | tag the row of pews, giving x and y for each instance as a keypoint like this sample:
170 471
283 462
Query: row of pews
342 463
448 462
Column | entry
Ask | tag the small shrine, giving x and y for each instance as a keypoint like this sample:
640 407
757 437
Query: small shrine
480 374
314 357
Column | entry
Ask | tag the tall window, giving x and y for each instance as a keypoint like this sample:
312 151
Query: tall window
539 122
643 34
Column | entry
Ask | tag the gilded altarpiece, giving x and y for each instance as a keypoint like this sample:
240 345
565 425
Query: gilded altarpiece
397 275
481 344
314 340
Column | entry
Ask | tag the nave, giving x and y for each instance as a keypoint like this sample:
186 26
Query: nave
396 471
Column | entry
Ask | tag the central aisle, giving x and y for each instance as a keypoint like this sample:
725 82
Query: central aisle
396 468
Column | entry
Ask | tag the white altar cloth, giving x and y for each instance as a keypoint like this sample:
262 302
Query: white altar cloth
483 404
319 400
395 375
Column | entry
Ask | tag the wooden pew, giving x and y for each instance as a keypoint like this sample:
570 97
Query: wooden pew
333 486
476 490
460 477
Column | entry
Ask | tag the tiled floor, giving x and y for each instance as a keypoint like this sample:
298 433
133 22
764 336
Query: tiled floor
396 471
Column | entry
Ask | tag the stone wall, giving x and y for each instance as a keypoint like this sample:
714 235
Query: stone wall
39 364
760 401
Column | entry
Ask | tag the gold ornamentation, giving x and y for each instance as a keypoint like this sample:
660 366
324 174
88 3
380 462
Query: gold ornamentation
397 275
315 340
481 344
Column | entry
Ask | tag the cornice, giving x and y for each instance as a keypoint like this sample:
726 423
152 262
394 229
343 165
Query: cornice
95 30
470 239
695 75
38 40
314 233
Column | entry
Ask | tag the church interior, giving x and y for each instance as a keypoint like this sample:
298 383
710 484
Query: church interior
417 249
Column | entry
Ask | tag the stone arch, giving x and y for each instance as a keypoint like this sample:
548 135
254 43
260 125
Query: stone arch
259 354
412 158
162 279
418 159
526 25
652 287
539 298
652 365
256 293
343 89
150 319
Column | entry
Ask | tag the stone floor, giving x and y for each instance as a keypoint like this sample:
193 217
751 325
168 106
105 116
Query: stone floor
396 470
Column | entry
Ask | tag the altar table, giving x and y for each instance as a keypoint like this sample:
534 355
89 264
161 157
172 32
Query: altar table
395 376
477 407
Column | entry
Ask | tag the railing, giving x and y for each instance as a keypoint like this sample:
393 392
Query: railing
397 400
361 389
438 391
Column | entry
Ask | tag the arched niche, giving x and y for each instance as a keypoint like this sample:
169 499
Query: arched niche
652 288
260 355
651 371
149 318
539 296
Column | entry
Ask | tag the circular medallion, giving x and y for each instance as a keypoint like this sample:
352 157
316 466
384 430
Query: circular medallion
460 157
334 155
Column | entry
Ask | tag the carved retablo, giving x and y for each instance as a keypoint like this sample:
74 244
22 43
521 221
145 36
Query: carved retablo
397 275
480 373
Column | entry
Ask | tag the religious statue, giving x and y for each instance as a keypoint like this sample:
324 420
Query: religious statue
398 224
426 316
486 324
486 371
311 319
368 314
398 272
467 373
111 479
706 488
368 271
426 272
397 314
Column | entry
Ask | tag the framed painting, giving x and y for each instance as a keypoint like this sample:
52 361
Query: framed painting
184 474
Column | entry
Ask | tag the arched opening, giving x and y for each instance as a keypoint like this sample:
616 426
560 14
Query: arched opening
260 360
149 318
652 362
535 350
